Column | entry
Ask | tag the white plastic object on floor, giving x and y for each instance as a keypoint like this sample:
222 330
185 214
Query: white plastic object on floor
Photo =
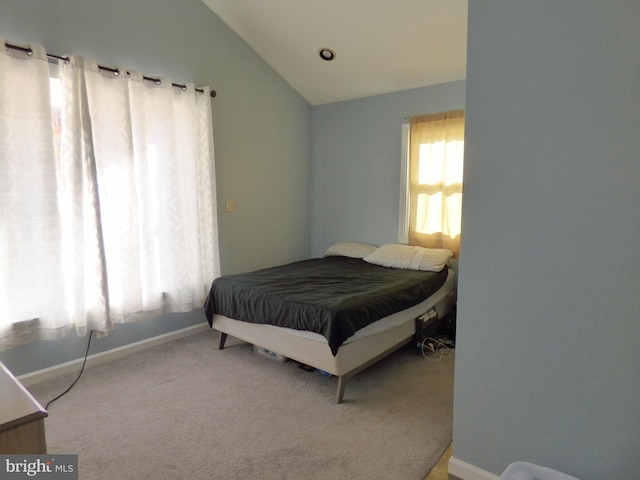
530 471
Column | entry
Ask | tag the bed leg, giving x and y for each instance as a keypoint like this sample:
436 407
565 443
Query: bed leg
223 338
342 383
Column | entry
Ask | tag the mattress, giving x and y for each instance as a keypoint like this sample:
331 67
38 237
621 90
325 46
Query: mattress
441 301
331 296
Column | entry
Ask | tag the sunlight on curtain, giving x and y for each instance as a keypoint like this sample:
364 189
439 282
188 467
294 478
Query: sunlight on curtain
30 223
111 215
153 178
436 154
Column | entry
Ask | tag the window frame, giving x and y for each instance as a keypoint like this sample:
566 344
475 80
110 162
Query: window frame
403 218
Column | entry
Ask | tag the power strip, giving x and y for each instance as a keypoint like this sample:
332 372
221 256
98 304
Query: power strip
426 326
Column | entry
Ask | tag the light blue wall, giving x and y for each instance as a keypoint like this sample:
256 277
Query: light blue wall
261 130
547 362
355 155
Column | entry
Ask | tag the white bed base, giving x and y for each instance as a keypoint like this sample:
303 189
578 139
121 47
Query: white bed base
360 351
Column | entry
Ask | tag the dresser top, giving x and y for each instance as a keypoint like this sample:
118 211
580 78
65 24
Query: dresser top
17 405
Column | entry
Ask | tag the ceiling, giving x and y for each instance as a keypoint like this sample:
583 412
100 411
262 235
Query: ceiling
381 46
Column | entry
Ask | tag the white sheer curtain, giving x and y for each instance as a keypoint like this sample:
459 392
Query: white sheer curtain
30 223
115 218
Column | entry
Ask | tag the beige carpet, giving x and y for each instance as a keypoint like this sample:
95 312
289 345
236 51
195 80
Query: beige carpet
185 410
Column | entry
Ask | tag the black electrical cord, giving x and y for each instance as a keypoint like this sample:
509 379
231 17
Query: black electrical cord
79 375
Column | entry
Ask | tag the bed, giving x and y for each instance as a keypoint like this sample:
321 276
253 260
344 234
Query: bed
339 313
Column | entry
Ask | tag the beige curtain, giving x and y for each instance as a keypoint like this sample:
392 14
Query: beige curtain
436 148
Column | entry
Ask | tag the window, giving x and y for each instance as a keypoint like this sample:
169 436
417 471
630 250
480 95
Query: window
431 190
107 201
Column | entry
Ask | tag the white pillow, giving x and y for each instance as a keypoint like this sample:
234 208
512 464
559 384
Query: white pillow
410 257
349 249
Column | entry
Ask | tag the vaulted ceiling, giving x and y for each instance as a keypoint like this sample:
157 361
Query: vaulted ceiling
381 46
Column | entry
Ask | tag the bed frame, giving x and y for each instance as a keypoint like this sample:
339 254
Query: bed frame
368 346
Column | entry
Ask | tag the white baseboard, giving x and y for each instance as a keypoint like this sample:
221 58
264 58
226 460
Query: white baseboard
466 471
102 357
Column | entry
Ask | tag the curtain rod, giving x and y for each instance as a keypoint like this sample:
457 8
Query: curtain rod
115 71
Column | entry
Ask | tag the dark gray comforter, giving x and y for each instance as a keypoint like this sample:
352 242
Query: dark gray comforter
332 296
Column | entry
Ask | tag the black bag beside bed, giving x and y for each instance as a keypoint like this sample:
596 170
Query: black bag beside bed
333 296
